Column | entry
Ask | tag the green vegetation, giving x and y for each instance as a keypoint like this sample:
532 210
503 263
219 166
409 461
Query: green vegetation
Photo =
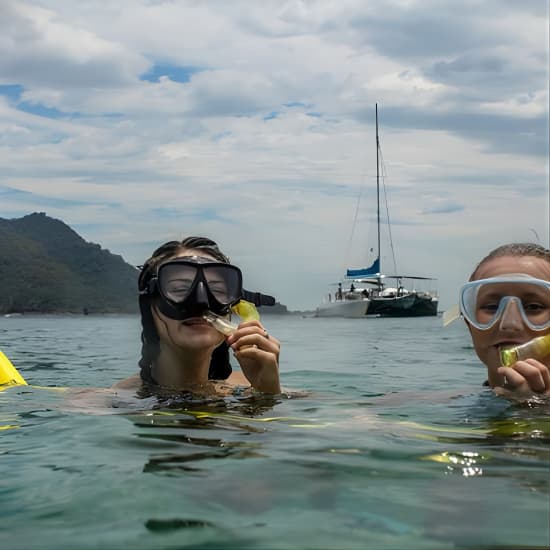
46 267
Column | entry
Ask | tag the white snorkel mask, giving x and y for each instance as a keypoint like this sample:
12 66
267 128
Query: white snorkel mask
483 303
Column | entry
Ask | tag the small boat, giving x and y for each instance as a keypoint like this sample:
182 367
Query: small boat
351 302
388 296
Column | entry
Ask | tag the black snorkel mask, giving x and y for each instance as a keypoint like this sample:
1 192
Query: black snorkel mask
190 285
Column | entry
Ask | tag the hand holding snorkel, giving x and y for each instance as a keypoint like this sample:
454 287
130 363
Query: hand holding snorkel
256 351
538 348
523 368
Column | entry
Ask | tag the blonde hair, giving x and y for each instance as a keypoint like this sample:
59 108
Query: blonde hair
514 249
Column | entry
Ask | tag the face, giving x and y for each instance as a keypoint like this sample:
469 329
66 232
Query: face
510 328
193 333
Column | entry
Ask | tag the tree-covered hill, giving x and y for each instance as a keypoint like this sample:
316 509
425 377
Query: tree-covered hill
47 267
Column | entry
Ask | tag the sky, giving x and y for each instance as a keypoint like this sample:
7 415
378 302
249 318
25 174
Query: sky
253 123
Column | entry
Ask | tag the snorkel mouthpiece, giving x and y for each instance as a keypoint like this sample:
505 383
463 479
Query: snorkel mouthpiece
245 310
219 323
538 348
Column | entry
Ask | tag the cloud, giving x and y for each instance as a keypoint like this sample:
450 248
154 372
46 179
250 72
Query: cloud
253 123
35 52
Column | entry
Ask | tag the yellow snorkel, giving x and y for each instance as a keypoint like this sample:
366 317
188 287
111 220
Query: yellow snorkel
538 348
9 376
245 310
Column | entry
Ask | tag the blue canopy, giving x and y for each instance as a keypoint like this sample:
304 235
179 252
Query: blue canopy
371 271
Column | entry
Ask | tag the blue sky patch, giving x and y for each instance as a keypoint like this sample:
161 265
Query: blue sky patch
11 91
41 110
14 91
297 104
175 73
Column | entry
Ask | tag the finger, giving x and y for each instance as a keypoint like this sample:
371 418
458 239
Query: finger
270 345
544 370
524 377
245 329
254 327
253 323
266 350
252 351
512 379
532 376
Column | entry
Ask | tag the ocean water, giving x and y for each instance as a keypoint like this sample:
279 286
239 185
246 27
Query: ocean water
394 444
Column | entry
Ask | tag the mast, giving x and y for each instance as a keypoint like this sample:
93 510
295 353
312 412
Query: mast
377 189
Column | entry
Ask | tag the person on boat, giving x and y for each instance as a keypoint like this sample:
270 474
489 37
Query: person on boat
181 351
507 303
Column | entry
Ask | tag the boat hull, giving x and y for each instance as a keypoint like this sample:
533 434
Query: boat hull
353 309
410 305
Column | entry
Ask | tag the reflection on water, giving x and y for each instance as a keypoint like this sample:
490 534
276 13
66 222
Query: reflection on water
379 453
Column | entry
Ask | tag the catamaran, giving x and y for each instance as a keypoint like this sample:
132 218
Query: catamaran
391 295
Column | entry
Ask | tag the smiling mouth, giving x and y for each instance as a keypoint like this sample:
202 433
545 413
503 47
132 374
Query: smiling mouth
508 344
194 321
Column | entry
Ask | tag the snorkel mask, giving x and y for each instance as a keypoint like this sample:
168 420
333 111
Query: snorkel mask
188 286
485 301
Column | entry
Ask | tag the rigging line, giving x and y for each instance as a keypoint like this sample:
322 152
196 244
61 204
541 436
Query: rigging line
384 176
536 234
350 241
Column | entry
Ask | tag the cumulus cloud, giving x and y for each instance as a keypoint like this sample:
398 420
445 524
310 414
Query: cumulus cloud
253 122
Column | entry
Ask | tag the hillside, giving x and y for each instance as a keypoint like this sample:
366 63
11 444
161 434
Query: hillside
47 267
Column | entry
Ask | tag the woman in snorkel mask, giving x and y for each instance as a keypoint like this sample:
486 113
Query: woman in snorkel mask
505 304
180 284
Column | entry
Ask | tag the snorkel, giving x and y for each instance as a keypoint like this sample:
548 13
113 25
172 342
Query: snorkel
538 348
245 310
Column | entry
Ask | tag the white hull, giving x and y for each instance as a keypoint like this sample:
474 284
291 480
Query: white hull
343 308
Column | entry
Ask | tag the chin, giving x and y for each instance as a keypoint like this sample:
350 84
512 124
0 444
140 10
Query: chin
203 336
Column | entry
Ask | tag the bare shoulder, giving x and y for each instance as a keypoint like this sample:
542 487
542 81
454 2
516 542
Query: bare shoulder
97 401
237 378
131 383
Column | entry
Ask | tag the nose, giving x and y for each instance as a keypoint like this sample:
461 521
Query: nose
201 296
511 318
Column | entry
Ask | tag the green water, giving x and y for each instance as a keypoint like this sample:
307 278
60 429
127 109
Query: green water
396 445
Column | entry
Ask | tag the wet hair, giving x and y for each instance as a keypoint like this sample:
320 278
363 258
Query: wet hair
220 367
514 249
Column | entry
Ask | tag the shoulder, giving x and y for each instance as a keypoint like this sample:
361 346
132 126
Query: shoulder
131 383
237 378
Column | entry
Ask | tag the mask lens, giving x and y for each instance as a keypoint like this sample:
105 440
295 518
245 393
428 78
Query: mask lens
176 281
224 282
484 302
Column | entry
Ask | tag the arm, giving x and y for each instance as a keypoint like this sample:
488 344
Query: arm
258 355
131 383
